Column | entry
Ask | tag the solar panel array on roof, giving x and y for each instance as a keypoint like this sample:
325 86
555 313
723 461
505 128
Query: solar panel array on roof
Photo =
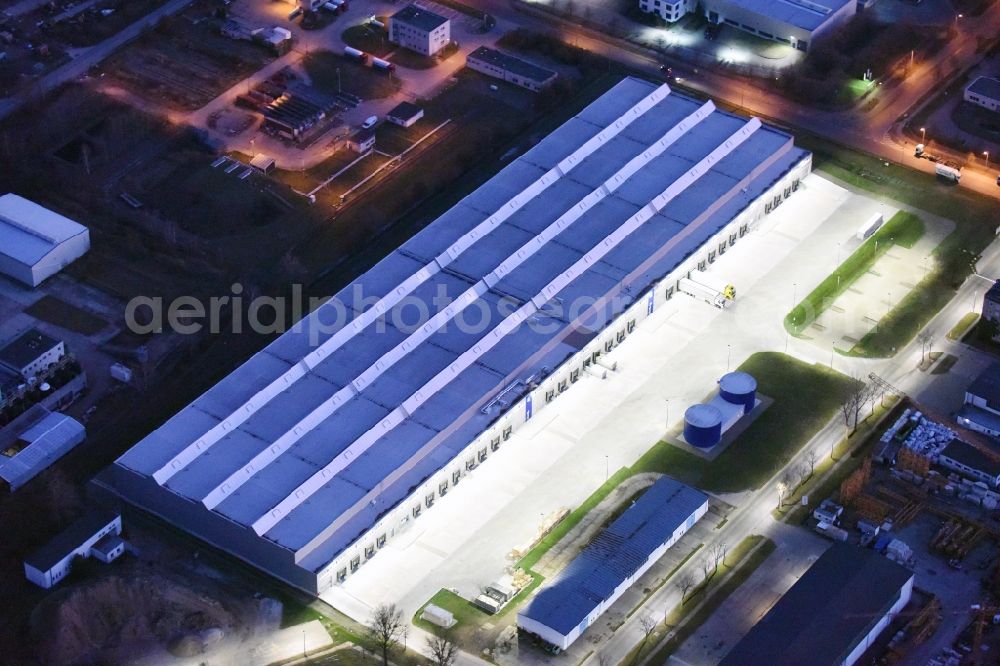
337 421
615 555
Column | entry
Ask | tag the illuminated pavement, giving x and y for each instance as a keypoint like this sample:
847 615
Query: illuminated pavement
567 450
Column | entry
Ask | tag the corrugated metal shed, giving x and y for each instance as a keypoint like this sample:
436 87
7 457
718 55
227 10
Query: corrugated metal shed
48 439
614 555
28 231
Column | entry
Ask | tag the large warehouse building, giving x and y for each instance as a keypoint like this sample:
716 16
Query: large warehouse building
831 615
794 22
330 441
613 562
36 243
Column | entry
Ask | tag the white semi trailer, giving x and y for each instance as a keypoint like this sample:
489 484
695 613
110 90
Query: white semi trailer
948 172
711 289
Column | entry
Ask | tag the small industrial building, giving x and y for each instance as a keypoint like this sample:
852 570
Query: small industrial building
419 30
263 163
612 562
795 22
36 243
340 434
34 442
508 68
362 140
31 353
991 303
971 462
405 114
831 615
981 408
98 535
984 92
291 116
9 382
277 39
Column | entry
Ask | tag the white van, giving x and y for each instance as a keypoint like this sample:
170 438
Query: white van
369 122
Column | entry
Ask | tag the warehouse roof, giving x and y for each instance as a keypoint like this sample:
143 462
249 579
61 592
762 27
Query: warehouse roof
28 232
49 437
614 555
805 14
522 68
987 385
23 350
970 456
986 87
823 616
70 539
419 17
314 438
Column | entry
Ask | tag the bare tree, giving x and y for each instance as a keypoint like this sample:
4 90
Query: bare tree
812 457
926 340
786 484
387 629
443 650
648 624
684 585
706 567
853 404
718 553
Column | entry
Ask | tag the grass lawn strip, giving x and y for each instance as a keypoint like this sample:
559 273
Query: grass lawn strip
963 326
805 397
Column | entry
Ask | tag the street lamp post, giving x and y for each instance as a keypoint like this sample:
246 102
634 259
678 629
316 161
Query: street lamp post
923 135
958 16
987 154
729 356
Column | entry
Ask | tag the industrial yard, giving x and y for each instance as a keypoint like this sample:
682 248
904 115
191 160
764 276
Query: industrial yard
657 339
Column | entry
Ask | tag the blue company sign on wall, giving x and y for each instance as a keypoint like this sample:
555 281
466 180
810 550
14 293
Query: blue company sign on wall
527 407
649 302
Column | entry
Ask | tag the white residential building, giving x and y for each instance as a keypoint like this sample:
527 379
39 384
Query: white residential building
419 30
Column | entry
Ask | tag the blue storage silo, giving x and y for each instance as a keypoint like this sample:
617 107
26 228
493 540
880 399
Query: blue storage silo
739 388
703 426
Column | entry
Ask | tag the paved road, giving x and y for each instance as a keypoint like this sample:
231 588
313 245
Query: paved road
875 131
86 58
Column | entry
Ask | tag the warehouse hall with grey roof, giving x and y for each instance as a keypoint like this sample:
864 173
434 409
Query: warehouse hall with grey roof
320 447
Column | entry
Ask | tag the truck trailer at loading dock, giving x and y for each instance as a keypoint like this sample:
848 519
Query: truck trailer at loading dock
711 289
